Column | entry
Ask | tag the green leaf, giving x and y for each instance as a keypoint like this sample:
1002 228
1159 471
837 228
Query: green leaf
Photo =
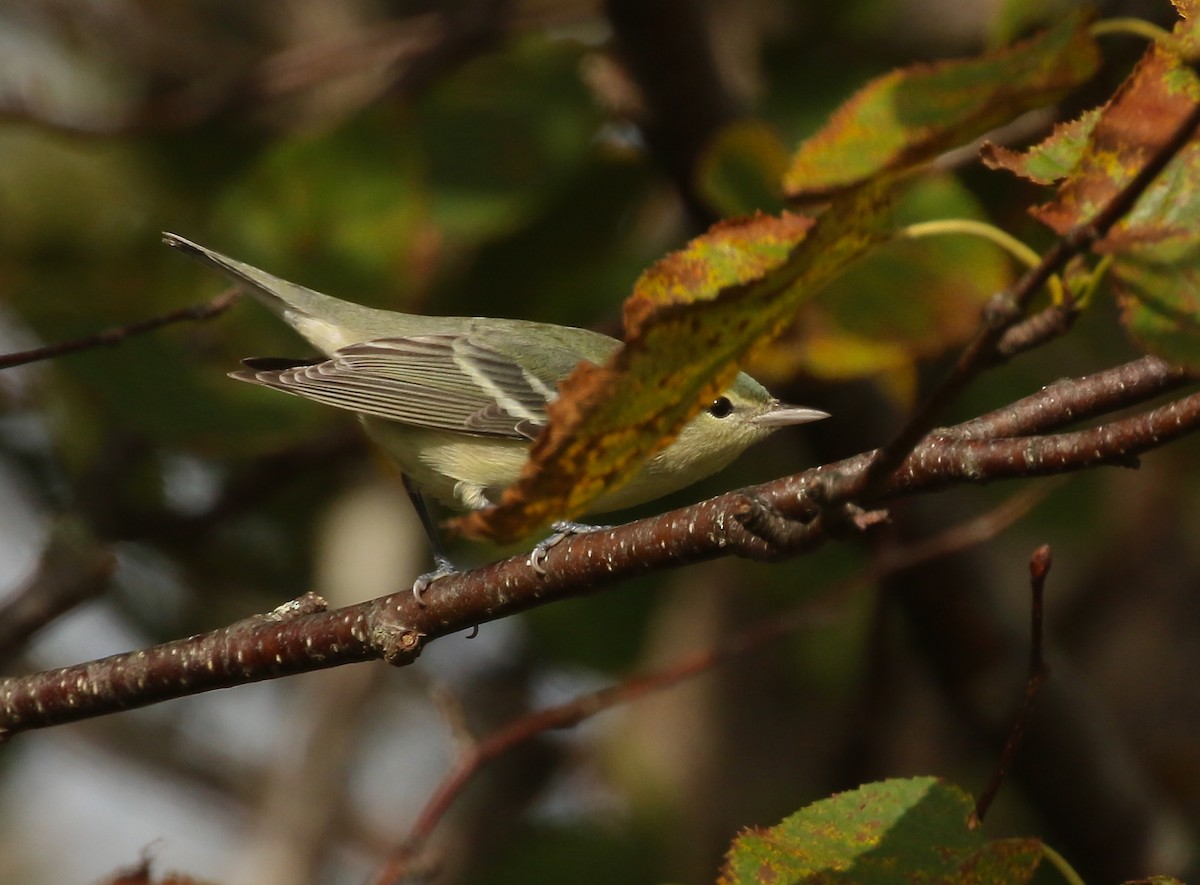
1187 31
1155 247
909 116
1158 287
1053 159
1142 115
912 830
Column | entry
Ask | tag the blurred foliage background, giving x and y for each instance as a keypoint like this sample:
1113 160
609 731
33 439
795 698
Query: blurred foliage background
527 159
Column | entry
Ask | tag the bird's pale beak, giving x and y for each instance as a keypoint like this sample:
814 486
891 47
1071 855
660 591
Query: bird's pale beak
783 415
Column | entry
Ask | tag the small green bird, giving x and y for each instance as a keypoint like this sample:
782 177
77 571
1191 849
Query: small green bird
456 401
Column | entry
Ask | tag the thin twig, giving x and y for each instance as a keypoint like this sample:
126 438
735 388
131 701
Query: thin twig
1041 328
1007 308
118 334
1039 568
1063 402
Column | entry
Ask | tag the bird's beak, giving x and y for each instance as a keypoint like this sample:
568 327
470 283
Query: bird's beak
783 415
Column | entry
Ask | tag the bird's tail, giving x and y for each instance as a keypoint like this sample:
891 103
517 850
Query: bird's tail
327 322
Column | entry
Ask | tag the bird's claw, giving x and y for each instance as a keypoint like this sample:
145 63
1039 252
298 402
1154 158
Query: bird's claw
443 568
561 531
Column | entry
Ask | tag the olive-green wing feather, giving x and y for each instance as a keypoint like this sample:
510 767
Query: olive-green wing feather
445 382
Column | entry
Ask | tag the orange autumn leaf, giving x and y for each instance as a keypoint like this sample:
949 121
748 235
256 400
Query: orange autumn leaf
690 320
1155 247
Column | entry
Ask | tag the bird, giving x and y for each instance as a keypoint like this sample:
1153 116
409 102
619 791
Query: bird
457 401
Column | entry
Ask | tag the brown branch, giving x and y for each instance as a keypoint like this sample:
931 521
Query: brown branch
395 628
1118 443
1066 402
118 335
1039 568
1034 331
1006 308
407 856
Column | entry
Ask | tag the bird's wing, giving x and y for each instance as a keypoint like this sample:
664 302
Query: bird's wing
444 382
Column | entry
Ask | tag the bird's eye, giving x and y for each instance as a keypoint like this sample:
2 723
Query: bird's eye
721 407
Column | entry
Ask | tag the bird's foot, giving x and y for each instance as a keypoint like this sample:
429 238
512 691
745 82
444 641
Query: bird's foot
561 530
443 568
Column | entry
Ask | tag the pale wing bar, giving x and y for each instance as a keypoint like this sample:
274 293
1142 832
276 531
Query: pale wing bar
445 382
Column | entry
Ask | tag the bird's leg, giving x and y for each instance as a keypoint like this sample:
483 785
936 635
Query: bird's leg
561 530
443 567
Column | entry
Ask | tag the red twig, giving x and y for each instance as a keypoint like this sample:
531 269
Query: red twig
1039 568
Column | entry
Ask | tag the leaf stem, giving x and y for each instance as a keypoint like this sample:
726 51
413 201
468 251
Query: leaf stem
972 227
1139 27
1060 863
116 335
